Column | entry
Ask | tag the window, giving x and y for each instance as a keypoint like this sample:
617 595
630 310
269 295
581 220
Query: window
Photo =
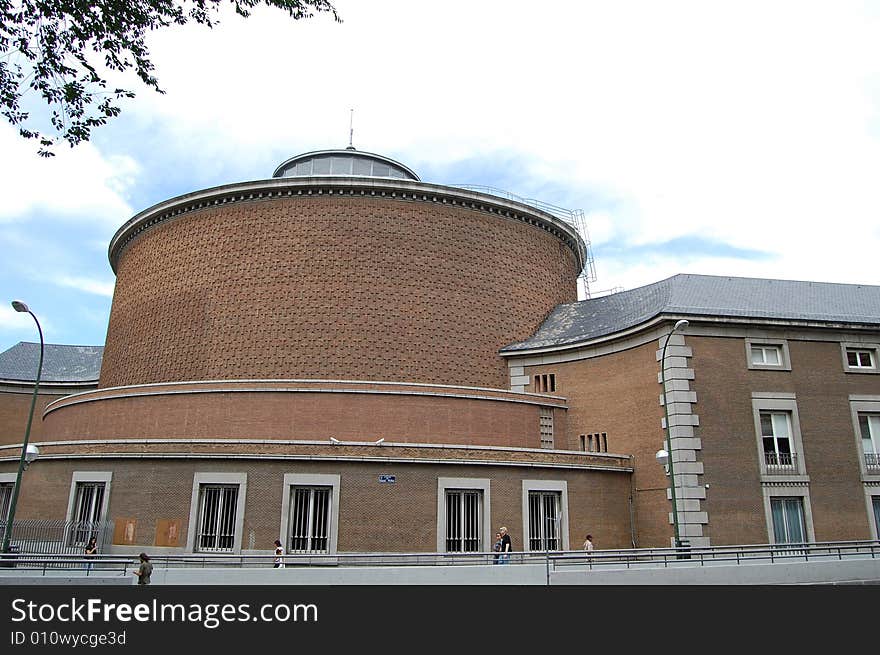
860 357
875 503
464 520
87 505
310 513
768 354
544 520
5 501
544 515
789 526
869 429
545 383
595 443
777 429
309 520
216 515
776 438
217 510
545 422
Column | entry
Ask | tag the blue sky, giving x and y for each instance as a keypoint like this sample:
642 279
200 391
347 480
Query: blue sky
716 138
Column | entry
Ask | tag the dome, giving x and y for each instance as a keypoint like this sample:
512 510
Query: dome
348 162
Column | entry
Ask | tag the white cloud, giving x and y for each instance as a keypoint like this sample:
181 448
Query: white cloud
754 124
89 285
77 184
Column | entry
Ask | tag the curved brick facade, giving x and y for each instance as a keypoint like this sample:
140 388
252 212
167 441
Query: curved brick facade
355 287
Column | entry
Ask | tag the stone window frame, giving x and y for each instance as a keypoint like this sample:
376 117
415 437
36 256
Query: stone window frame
872 491
89 476
203 478
798 490
479 484
784 359
560 486
292 480
779 402
874 348
859 404
7 478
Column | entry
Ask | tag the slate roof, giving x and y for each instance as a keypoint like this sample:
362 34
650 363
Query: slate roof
707 295
60 363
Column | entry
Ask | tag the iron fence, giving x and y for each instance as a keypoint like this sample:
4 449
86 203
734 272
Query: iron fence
53 537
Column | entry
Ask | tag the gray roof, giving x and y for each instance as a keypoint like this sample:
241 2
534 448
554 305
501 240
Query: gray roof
707 295
60 363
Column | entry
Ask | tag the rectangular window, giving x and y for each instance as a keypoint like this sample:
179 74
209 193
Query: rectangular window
875 503
766 355
776 438
544 520
87 507
217 518
309 520
545 421
869 426
859 358
545 383
788 520
464 520
5 499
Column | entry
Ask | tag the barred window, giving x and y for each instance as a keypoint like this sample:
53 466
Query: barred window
309 521
87 507
464 520
217 513
544 520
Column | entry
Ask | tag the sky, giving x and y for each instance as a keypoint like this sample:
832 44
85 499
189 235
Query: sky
718 138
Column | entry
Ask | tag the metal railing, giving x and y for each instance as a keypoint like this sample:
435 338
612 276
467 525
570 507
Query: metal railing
780 463
33 536
623 559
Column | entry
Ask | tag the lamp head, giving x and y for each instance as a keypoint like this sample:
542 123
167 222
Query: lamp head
19 306
662 457
30 454
680 325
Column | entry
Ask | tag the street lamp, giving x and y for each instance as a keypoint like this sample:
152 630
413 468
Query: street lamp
665 456
28 453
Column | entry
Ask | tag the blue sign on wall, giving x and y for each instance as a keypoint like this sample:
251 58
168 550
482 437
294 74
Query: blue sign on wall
387 478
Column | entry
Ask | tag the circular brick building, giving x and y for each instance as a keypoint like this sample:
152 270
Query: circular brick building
295 339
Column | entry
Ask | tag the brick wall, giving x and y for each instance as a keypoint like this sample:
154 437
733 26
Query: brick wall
399 517
331 288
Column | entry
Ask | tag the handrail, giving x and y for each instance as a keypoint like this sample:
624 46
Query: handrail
623 558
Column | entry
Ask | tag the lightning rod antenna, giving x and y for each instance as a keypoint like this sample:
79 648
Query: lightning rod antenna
351 131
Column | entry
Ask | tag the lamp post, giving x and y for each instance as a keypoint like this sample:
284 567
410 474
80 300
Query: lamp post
28 453
667 455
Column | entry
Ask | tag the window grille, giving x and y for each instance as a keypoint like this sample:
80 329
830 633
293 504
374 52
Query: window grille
87 506
217 521
544 520
5 500
545 420
309 520
464 521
